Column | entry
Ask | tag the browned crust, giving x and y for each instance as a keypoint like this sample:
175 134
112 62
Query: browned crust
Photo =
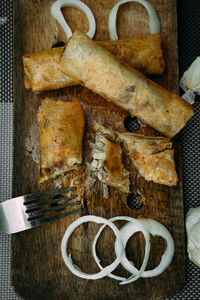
114 166
153 157
100 71
41 71
143 52
61 135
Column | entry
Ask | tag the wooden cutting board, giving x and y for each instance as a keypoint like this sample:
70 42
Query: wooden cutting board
37 268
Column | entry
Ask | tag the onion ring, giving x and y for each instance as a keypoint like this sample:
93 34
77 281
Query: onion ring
57 14
154 22
156 229
136 224
68 260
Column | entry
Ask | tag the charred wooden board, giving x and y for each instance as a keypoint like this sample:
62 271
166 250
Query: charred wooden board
37 268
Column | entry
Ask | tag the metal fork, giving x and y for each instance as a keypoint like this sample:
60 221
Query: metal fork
25 212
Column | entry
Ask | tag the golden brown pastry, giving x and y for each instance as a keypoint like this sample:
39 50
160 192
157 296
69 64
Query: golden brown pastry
153 157
41 71
107 163
143 52
100 71
61 135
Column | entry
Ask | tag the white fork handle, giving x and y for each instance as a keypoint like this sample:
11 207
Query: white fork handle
12 216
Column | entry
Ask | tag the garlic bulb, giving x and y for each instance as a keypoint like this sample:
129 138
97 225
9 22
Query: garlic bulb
190 81
193 235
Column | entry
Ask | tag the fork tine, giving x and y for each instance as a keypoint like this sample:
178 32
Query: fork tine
31 197
33 215
47 202
43 221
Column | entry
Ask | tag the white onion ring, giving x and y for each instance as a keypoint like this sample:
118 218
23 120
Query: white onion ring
136 224
57 14
156 229
154 22
67 258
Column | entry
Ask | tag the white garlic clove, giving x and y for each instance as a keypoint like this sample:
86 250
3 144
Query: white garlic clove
193 217
194 256
191 78
193 235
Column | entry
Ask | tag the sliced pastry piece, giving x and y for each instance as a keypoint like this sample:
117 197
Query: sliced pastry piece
107 163
61 135
153 157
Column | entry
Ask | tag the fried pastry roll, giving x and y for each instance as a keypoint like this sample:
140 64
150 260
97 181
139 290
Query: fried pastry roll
41 71
61 135
143 52
100 71
153 157
107 163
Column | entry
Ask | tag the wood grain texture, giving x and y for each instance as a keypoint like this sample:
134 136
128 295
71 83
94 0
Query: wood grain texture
37 268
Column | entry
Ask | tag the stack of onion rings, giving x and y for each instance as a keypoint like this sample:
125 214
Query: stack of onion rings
146 226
